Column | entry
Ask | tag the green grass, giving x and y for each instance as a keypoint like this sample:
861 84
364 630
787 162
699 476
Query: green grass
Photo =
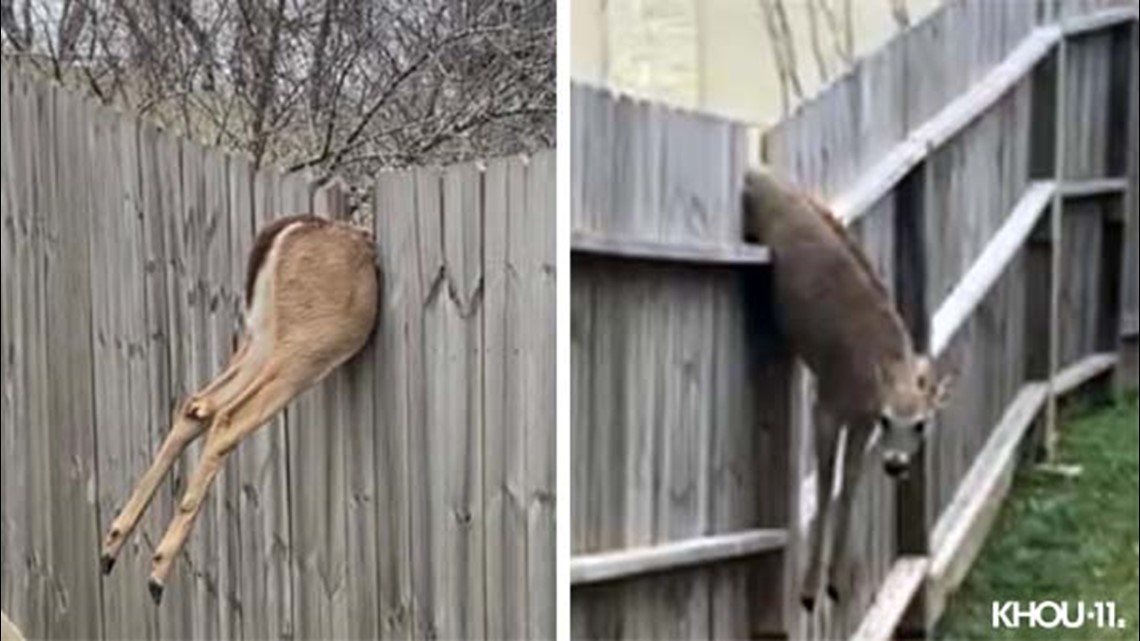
1064 539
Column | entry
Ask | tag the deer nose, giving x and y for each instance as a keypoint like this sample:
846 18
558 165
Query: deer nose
895 463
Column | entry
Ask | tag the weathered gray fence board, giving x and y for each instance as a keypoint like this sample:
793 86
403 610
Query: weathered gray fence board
7 333
241 568
1081 247
1088 92
1131 280
72 437
542 452
461 385
161 172
395 207
27 592
21 350
30 588
14 232
190 371
222 331
117 451
16 352
39 454
430 605
505 518
159 177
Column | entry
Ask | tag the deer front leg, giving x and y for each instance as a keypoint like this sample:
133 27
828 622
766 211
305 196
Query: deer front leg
826 441
840 574
265 397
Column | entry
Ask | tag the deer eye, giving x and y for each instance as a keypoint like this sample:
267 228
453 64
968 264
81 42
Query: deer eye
923 381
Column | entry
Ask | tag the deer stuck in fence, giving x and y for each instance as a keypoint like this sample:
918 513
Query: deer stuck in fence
838 318
311 299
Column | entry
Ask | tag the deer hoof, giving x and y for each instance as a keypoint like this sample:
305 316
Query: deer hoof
837 594
156 589
808 602
107 564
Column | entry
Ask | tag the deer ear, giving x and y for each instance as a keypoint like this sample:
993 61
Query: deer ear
943 390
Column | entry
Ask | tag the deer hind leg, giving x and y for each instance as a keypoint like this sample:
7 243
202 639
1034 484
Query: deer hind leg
826 442
840 573
188 426
255 406
204 404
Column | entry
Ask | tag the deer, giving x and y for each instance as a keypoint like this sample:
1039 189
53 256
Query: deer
838 318
311 301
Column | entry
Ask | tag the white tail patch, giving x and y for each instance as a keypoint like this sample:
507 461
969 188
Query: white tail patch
257 311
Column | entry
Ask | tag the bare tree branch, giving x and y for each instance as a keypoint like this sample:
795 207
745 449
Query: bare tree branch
333 85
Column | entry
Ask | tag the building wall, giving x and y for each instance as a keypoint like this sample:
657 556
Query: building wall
717 55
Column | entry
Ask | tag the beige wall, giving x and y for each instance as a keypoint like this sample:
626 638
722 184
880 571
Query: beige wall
716 55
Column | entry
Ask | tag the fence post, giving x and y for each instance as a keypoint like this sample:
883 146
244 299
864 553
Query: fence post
1056 222
913 514
331 200
1042 246
1127 371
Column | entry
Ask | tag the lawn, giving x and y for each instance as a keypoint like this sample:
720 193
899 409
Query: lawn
1064 539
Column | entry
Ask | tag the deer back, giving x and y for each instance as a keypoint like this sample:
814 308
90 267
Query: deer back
830 303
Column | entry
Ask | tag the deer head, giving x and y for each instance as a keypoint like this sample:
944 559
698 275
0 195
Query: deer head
912 395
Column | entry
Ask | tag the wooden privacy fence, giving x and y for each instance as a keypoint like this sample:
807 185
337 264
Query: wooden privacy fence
986 160
410 496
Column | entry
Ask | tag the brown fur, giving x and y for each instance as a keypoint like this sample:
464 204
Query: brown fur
264 242
852 247
833 308
838 317
317 309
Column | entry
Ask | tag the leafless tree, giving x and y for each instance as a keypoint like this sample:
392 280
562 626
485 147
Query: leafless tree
901 13
784 50
829 22
332 86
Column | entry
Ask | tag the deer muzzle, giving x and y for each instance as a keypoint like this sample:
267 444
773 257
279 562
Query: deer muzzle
896 463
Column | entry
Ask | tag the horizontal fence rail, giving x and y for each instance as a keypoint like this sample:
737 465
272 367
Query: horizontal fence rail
589 244
977 282
674 556
881 179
